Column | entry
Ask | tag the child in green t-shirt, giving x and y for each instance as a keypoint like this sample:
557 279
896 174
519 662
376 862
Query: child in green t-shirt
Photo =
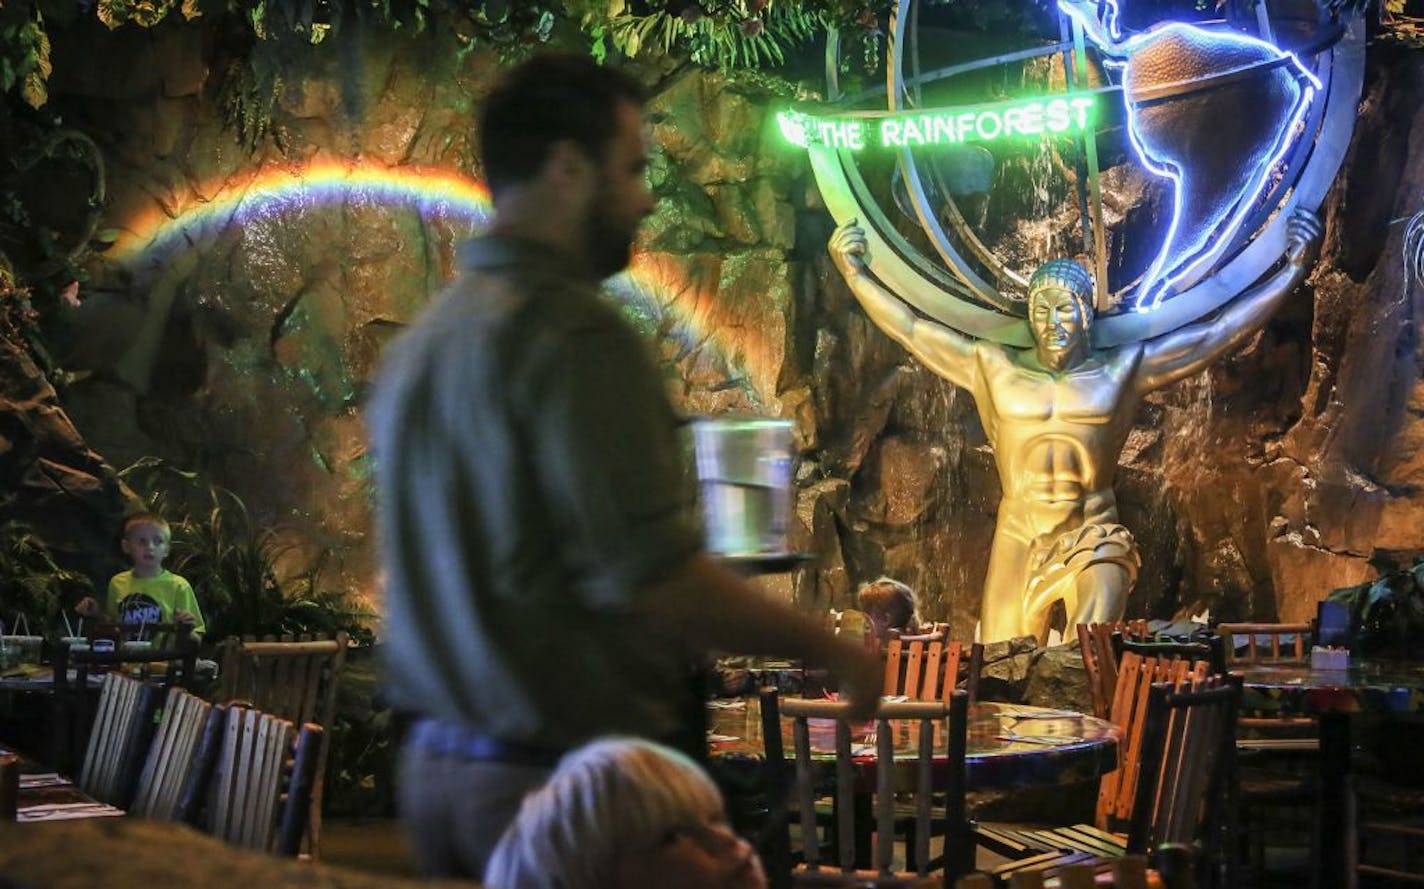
147 593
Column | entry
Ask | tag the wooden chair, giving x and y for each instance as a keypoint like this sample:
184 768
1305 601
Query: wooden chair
1100 659
1183 785
1128 872
1037 847
180 759
262 785
74 704
118 740
1278 644
947 778
926 667
296 679
1168 867
1276 786
1402 845
1188 764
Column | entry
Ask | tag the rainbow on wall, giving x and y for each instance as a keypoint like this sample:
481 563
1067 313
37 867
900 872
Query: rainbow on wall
652 284
154 234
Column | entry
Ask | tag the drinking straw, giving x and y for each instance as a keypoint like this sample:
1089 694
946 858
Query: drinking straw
141 624
67 628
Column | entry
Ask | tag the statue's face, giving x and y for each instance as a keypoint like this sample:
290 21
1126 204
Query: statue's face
1059 327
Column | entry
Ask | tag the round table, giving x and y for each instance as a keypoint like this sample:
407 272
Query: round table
1332 695
1010 745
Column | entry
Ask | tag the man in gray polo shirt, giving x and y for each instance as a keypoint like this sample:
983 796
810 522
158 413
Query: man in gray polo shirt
545 572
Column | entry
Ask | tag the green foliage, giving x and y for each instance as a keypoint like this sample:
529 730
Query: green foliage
724 36
232 562
248 99
24 54
144 13
1387 614
34 584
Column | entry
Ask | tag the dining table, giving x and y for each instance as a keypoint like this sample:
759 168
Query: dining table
45 795
1333 695
1010 745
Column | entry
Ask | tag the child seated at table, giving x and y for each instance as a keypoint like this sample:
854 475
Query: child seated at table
891 606
147 593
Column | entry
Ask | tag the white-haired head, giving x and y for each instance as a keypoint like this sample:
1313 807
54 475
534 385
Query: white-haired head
606 801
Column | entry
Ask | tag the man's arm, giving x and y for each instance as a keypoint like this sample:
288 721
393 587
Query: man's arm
946 352
712 607
1183 352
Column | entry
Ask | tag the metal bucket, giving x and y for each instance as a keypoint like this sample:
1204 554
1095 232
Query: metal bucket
744 469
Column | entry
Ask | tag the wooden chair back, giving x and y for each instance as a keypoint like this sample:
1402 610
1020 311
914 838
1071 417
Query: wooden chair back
1117 790
1265 643
1271 643
1188 758
930 778
262 784
118 740
1100 659
295 678
926 667
180 759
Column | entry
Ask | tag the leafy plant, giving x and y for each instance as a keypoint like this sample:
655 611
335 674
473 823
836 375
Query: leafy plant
1387 614
34 584
232 562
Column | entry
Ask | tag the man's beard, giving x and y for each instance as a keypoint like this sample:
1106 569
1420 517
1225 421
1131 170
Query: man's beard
609 247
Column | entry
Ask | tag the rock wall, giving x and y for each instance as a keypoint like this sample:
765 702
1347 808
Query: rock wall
240 343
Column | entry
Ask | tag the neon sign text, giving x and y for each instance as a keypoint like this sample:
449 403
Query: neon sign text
1032 118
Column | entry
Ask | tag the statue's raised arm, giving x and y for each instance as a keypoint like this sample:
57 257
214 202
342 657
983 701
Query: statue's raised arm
943 350
1185 351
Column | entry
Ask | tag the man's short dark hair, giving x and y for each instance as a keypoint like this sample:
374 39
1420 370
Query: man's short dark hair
548 99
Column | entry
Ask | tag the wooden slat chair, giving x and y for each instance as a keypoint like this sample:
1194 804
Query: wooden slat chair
262 784
927 667
1128 872
1187 764
1117 790
118 740
947 778
74 703
1169 867
1100 659
295 678
180 759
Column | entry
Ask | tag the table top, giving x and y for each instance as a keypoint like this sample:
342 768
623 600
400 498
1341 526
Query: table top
33 677
1010 745
48 796
1365 686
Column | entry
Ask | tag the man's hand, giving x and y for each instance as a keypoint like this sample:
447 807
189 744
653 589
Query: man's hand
1302 235
87 607
849 247
861 677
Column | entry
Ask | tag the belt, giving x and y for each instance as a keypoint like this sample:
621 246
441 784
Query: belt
445 739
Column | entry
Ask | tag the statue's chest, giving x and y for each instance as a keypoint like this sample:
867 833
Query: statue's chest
1089 394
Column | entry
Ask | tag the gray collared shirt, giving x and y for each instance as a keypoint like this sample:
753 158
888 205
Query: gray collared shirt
530 481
